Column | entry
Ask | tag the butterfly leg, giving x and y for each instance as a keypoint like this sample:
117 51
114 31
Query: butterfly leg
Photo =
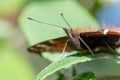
63 52
111 49
86 46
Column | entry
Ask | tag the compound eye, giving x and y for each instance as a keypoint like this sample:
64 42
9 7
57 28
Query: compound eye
74 35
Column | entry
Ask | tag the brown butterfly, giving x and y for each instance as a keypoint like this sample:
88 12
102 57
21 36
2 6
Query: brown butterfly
80 40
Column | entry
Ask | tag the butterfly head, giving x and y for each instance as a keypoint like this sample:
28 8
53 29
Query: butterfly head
73 37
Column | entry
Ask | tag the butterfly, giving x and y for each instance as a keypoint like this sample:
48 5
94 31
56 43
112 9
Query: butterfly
80 39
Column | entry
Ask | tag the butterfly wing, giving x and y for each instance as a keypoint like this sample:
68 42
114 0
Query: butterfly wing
53 45
89 36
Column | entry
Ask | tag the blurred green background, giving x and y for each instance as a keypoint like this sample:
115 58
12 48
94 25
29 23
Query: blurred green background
17 34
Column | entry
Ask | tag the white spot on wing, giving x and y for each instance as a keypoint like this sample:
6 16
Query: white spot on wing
105 31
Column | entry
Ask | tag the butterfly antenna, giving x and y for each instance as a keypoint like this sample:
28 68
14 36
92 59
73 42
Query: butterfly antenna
44 22
65 20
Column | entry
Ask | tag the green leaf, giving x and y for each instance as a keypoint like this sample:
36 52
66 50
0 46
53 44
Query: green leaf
116 57
85 76
66 62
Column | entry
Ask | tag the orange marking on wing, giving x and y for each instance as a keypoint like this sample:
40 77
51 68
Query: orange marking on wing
54 45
